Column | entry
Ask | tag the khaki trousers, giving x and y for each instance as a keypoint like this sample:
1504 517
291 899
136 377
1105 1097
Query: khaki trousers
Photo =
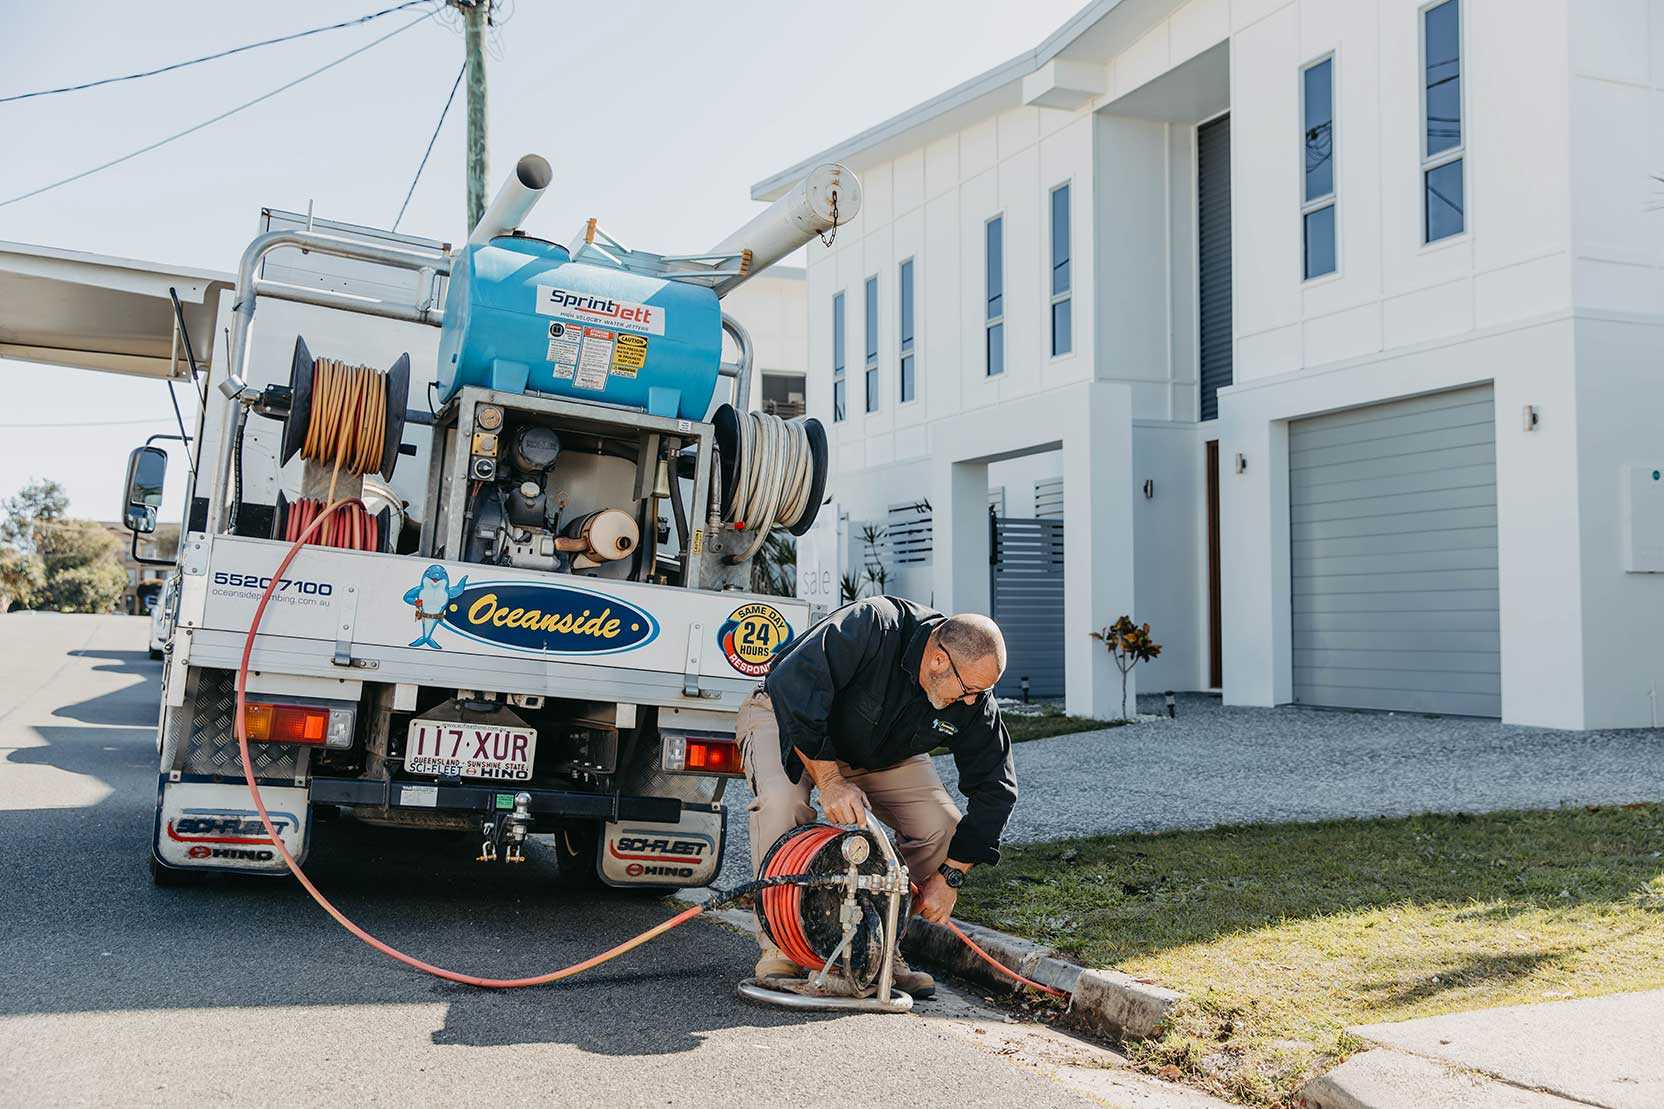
908 796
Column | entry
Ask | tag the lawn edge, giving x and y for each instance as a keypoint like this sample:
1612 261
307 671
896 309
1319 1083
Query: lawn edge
1105 1002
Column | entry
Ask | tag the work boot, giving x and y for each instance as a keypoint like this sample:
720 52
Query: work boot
772 964
915 983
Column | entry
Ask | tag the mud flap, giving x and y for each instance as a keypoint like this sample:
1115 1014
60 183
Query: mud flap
649 853
213 826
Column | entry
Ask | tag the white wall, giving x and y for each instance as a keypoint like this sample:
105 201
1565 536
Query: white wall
1390 290
773 307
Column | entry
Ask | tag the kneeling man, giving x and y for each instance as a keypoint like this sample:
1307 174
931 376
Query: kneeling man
853 709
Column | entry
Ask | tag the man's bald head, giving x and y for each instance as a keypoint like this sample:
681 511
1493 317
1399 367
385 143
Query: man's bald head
972 637
963 659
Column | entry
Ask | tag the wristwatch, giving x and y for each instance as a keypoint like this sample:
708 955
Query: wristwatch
952 875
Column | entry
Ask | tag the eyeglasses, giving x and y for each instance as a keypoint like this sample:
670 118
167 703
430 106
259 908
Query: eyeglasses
965 689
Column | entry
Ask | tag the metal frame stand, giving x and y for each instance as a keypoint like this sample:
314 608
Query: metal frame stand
887 999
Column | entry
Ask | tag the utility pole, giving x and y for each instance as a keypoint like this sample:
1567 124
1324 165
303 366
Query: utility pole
474 14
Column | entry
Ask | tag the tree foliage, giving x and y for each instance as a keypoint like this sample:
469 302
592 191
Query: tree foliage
52 562
774 566
1128 644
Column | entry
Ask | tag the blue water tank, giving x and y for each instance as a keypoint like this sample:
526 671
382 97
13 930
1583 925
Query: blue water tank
521 315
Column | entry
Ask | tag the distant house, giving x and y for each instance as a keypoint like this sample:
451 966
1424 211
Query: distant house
1324 335
144 583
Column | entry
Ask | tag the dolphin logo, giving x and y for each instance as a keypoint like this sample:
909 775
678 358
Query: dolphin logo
431 596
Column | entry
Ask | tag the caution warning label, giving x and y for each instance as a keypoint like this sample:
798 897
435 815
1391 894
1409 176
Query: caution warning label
594 357
629 355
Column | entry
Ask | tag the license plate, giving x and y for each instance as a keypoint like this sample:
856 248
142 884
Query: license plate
449 749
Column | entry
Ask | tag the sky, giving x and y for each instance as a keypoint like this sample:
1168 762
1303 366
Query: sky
657 117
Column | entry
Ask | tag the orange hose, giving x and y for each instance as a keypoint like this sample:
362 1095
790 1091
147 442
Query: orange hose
294 868
791 918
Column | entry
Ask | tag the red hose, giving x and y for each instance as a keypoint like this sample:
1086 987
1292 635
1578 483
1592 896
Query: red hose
315 522
782 903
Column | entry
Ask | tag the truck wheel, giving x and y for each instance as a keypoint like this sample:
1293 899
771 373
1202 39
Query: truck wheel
575 849
155 655
167 878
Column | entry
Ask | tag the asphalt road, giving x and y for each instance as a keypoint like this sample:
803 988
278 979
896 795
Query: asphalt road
114 991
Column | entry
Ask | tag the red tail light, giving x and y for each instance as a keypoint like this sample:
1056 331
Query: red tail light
713 756
701 755
313 725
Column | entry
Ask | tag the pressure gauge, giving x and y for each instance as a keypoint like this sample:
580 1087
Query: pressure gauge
488 417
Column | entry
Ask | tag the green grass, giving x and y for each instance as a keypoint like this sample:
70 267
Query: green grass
1283 935
1050 723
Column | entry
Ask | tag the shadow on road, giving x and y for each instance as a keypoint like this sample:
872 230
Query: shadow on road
87 931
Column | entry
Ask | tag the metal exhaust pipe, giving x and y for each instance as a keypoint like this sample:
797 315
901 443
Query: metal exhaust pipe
515 199
830 196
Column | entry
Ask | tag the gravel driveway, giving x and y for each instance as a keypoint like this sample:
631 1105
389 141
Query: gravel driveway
1226 765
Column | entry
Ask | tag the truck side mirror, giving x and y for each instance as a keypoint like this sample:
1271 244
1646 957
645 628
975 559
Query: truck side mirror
147 471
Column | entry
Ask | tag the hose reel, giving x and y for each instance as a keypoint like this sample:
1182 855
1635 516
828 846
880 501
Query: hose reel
770 473
346 422
841 925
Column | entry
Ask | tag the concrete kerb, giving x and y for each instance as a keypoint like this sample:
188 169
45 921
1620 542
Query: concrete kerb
1104 1002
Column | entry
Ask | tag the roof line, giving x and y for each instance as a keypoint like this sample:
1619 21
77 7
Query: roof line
963 93
62 254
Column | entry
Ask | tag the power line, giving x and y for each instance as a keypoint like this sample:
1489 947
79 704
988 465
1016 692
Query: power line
223 115
88 423
214 57
431 140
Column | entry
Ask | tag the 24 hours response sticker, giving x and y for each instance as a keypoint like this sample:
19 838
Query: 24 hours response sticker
752 636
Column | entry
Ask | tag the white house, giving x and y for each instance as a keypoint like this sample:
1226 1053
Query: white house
1337 321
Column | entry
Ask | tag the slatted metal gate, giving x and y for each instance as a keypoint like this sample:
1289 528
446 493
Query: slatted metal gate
1026 584
1392 511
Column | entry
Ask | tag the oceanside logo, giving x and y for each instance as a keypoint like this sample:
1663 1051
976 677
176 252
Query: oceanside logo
548 619
627 315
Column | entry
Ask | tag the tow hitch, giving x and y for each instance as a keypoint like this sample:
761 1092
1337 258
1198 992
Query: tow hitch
503 838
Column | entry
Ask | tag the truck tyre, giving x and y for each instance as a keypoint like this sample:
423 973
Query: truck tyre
575 849
168 878
155 655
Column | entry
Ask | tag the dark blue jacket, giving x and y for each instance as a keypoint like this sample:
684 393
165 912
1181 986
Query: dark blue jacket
848 689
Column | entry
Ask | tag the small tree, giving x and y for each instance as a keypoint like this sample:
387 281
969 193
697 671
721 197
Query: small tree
22 577
1129 644
774 566
849 588
872 538
83 571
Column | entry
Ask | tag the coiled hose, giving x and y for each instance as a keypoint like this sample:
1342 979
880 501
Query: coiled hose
347 401
773 477
346 430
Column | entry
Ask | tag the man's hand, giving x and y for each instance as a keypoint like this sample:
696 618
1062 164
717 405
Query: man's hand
936 900
844 803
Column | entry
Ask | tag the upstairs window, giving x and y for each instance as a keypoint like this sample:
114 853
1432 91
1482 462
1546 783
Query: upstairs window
1444 211
1317 208
994 283
907 360
872 344
838 386
1063 339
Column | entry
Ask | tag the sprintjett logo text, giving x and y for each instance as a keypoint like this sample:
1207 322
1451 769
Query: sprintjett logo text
627 315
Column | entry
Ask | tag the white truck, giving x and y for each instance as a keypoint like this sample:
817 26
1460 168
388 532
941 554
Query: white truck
537 623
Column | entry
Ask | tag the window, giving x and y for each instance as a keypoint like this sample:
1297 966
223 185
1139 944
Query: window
1317 207
838 387
994 265
909 366
1443 210
872 344
1063 339
782 394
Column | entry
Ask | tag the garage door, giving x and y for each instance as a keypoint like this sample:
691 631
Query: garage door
1392 511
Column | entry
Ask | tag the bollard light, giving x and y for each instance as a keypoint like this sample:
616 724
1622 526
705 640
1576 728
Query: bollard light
1172 706
1025 689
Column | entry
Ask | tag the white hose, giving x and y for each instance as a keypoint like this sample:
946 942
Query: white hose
772 477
